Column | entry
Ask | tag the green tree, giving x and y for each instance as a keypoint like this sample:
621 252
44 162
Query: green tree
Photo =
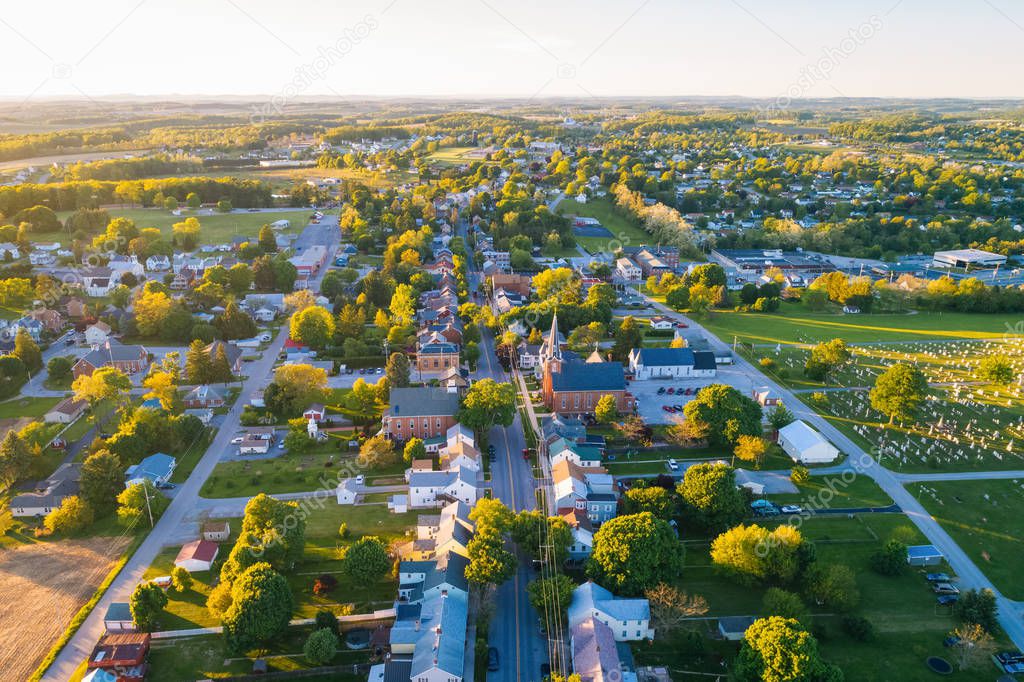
996 368
73 515
899 391
58 368
102 481
294 388
27 350
653 499
977 607
414 449
234 324
489 562
397 370
724 414
181 579
710 491
147 604
780 416
488 403
635 552
551 595
321 647
779 602
313 326
607 409
261 607
890 559
627 337
678 298
192 200
198 364
266 240
15 458
529 533
366 560
779 650
138 500
671 607
833 586
826 359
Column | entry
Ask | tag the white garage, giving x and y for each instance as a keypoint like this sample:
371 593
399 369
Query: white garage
805 445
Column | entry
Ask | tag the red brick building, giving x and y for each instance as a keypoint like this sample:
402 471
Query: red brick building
128 359
421 412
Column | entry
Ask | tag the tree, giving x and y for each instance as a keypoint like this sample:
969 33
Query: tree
162 386
105 383
486 404
152 310
73 515
826 358
377 453
678 298
397 370
102 481
751 449
607 409
890 559
489 562
198 364
653 499
778 649
285 274
634 430
833 586
326 620
724 414
261 607
551 595
996 368
181 579
627 337
296 387
58 368
586 338
138 501
671 607
147 603
492 514
321 647
366 560
977 607
635 552
973 646
780 417
899 391
26 350
15 458
313 326
403 304
266 240
779 602
754 554
530 534
414 449
800 475
186 233
299 300
233 323
710 491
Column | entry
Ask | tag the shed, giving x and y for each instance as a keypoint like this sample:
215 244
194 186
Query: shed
733 628
118 618
924 555
216 531
197 555
805 445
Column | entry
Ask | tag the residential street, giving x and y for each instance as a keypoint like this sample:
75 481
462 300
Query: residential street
185 499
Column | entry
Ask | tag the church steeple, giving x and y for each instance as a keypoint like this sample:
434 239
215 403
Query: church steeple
552 350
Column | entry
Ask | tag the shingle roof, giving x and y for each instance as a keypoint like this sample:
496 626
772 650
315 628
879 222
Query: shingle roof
592 376
442 643
594 654
665 357
423 402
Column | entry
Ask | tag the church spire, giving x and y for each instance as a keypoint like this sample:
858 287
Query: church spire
554 351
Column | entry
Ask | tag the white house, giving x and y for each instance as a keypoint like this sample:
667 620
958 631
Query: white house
436 488
805 445
629 619
65 412
97 334
41 258
582 534
197 556
264 315
9 251
671 363
158 263
461 455
459 433
628 270
348 491
661 323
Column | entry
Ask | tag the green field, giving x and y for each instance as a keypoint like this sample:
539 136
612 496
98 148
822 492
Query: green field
453 156
624 232
794 325
984 517
902 609
833 491
16 408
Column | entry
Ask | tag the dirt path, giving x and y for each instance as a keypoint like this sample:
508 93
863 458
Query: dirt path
42 586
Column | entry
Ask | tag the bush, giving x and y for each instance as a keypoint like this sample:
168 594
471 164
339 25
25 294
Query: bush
767 363
321 647
800 475
324 584
779 602
858 628
891 559
325 620
343 531
181 579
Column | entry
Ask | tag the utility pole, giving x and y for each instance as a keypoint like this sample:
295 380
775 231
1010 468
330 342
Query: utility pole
149 509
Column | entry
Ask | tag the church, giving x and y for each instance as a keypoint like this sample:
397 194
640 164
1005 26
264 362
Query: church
573 386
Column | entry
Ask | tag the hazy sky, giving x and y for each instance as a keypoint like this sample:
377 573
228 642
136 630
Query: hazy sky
908 48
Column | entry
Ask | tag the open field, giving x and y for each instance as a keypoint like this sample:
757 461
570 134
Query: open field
454 156
832 491
902 609
42 586
795 325
624 233
984 517
18 408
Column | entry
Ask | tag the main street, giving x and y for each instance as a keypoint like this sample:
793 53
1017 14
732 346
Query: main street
1011 613
187 496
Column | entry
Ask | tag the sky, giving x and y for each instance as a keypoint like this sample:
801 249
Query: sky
781 49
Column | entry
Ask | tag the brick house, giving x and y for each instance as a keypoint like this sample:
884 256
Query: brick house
422 412
573 386
437 357
128 359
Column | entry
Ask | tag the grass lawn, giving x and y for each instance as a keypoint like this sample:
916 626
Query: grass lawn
453 156
902 609
188 459
795 325
26 407
624 232
833 492
984 517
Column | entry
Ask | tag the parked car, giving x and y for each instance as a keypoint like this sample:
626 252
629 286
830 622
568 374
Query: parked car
938 578
661 390
673 465
237 440
947 599
945 588
667 408
492 659
678 408
671 390
792 509
166 485
682 325
162 582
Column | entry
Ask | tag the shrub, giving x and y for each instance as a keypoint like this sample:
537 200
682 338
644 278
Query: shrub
321 647
343 531
325 620
324 584
858 628
779 602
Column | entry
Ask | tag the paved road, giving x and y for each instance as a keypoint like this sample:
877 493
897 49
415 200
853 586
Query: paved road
964 476
1011 614
184 501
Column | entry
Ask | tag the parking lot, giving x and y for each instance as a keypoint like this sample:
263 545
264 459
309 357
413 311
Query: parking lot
651 405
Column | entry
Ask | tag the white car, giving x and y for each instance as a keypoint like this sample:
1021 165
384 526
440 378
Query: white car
792 509
237 440
673 465
360 479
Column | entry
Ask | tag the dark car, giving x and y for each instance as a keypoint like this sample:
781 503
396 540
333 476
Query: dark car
937 577
947 599
492 659
490 450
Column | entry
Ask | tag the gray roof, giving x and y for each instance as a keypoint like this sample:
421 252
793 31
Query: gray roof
590 596
51 492
118 611
422 402
665 357
112 351
442 641
594 654
589 376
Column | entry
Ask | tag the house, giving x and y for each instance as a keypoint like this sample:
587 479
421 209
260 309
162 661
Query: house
461 455
924 555
128 359
118 618
33 327
232 352
428 641
590 490
627 270
348 491
629 619
671 363
582 534
317 412
421 412
436 488
203 396
97 282
216 531
805 445
437 357
595 657
97 334
661 323
41 258
197 556
51 320
48 494
530 355
157 469
256 441
65 412
733 628
765 396
121 656
519 284
455 380
572 386
9 251
582 455
158 263
205 415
